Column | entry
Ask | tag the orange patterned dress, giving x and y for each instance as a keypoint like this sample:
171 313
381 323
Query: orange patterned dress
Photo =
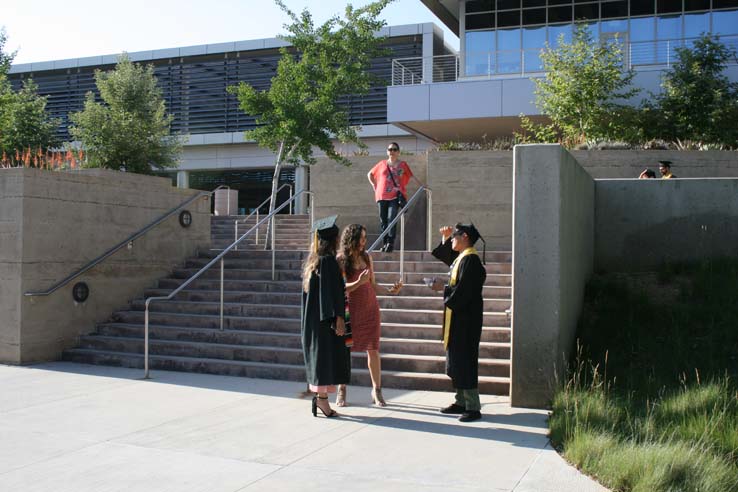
365 321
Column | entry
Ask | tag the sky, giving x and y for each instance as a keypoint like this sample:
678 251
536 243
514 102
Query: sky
44 30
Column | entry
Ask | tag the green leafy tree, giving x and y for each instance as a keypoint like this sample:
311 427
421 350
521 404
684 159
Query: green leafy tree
130 128
584 84
302 109
24 121
698 103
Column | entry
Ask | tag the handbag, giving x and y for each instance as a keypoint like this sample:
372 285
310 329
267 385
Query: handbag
401 200
348 339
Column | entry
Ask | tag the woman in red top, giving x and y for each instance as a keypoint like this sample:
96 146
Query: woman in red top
362 290
387 178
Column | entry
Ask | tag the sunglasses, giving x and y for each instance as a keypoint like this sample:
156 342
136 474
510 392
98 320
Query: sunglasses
392 149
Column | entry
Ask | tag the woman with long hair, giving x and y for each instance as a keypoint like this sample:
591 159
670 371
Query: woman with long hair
362 290
327 360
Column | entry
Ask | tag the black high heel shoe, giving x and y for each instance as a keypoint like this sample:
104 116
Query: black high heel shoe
330 414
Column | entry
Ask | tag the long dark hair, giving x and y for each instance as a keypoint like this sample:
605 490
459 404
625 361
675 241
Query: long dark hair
350 239
326 247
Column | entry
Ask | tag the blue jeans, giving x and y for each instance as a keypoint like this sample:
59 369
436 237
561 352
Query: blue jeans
387 212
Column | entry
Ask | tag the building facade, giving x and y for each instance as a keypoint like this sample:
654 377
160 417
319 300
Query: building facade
484 88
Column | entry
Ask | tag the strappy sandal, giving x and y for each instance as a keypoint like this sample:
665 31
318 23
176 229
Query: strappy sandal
341 396
330 414
377 397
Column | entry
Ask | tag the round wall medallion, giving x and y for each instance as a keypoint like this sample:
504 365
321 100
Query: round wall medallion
80 292
185 218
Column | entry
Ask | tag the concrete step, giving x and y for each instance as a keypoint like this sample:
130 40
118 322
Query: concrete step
390 379
283 325
213 308
431 316
492 280
234 285
434 267
433 302
236 274
421 290
229 296
256 255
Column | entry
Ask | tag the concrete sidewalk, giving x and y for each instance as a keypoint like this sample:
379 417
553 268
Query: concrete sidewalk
77 428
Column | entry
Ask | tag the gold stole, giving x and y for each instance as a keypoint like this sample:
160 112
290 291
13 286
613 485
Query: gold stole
454 273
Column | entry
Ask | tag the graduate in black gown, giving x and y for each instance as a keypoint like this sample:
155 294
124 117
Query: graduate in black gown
327 359
462 330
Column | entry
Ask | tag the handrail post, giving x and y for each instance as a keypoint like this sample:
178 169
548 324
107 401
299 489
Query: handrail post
274 247
235 236
291 202
222 261
429 194
257 229
402 248
146 340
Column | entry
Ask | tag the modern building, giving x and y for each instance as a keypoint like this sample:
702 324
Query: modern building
194 81
432 93
483 89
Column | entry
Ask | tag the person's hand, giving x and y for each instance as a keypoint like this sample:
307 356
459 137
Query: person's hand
446 232
364 277
340 327
643 174
437 285
396 288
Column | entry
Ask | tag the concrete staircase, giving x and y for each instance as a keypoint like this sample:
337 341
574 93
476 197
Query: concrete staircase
261 335
292 232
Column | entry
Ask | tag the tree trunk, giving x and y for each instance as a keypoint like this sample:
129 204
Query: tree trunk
273 201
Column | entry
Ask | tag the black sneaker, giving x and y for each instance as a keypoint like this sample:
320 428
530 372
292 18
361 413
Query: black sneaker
453 409
470 416
390 248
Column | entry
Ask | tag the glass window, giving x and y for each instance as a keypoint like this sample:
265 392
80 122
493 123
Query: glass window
642 8
559 14
534 16
614 26
480 21
508 18
534 3
587 11
669 27
534 39
479 48
642 29
558 2
724 4
508 4
696 24
480 5
725 22
508 51
690 5
615 9
668 6
555 32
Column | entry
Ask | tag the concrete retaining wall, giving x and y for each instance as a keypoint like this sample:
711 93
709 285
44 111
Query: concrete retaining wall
346 191
52 223
640 224
553 247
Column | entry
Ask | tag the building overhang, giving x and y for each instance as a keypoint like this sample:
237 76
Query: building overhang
447 12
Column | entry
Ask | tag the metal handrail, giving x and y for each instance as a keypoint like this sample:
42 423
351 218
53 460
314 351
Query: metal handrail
256 211
401 217
121 244
206 267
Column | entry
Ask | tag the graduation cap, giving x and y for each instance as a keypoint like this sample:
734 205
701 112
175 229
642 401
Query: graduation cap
474 236
325 228
665 163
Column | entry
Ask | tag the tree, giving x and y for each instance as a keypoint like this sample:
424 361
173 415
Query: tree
130 129
583 84
698 103
24 122
302 108
6 59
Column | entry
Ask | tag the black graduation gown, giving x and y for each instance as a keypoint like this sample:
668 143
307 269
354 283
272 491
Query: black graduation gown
465 300
327 360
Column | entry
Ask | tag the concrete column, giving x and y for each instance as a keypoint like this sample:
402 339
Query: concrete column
183 179
302 177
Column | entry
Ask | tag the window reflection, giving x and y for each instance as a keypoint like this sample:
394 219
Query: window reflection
479 46
725 22
509 54
642 48
534 39
555 33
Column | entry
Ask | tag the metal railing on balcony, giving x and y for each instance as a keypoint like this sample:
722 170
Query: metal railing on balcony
501 63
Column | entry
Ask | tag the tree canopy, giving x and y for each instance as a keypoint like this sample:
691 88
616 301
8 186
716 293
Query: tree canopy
130 128
304 106
698 103
582 91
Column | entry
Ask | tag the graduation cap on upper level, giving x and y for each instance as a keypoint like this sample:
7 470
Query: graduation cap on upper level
665 163
325 228
474 236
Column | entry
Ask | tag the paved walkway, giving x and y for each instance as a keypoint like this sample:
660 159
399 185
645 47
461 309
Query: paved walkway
77 428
